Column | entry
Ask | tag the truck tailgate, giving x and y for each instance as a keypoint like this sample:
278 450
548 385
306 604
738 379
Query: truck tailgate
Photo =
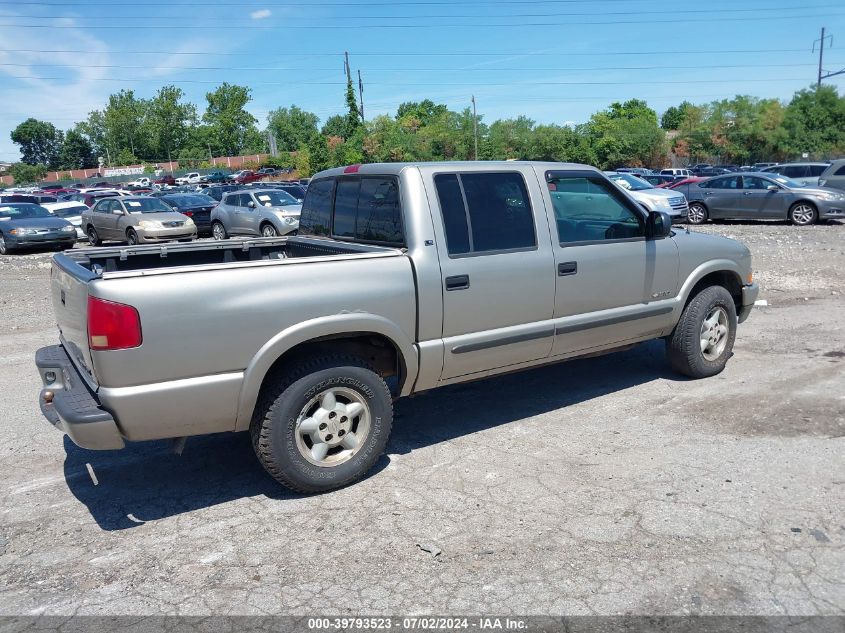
70 303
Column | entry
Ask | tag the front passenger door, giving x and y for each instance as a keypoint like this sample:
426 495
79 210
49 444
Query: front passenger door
612 283
758 202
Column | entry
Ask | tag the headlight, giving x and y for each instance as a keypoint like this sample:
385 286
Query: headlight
22 231
150 224
290 220
70 228
189 222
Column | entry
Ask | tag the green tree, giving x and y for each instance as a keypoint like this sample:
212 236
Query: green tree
168 122
508 138
122 119
292 127
231 125
40 142
424 111
814 122
335 125
675 116
353 114
76 152
627 134
26 174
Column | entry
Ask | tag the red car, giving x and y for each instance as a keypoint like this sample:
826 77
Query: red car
678 183
244 176
165 180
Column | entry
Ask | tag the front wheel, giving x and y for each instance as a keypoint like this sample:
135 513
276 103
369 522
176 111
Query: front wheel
697 213
803 214
4 249
93 237
323 424
131 237
218 231
268 230
703 339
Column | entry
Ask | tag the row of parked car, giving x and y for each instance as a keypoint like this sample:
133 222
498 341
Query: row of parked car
220 211
808 173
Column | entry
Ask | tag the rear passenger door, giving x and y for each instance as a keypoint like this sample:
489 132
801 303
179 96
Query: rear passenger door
722 196
612 284
497 269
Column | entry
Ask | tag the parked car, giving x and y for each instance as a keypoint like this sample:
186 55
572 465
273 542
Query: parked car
658 180
191 178
264 212
9 198
193 205
41 197
700 166
637 171
52 187
711 171
295 190
650 197
70 211
166 180
268 171
140 182
136 220
761 166
89 198
215 176
244 176
805 173
411 277
28 225
216 191
834 175
762 196
676 172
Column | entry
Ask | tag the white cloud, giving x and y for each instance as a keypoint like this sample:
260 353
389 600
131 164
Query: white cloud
261 14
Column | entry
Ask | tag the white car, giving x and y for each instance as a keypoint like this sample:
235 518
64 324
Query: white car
70 211
191 178
141 182
650 197
677 173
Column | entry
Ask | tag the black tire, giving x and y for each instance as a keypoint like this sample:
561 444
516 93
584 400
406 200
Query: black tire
268 230
273 428
220 233
699 216
683 346
5 249
131 237
93 236
803 214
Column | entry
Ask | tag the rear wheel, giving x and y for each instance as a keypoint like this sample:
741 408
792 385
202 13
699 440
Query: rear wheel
131 237
803 214
323 423
268 230
218 231
93 236
697 213
4 249
703 339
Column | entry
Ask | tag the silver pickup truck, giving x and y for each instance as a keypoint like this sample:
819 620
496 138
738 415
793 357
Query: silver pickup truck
404 277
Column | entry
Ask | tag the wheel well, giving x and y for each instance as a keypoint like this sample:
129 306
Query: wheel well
265 223
810 202
692 202
728 280
376 349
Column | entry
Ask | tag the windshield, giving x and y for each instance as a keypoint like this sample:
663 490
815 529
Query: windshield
631 183
787 182
275 198
23 212
70 212
184 202
146 205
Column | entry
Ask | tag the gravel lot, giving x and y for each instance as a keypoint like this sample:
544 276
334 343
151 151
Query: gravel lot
600 486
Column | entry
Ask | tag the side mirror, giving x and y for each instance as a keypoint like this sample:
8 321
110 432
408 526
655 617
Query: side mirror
117 211
658 225
773 188
250 204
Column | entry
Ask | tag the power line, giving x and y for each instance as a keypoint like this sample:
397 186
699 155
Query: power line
710 12
307 4
403 70
510 25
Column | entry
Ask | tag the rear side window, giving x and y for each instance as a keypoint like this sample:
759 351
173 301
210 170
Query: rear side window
346 207
379 212
794 171
316 215
816 170
485 212
840 171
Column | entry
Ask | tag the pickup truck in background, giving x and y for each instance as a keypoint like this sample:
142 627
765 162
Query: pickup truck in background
405 277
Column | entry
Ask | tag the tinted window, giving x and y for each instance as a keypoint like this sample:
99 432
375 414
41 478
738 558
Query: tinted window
104 206
497 212
733 182
840 171
794 171
587 209
816 170
231 200
243 200
453 212
315 218
752 182
346 207
379 211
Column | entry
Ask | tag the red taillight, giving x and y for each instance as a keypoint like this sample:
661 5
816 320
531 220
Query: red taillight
188 213
352 169
112 325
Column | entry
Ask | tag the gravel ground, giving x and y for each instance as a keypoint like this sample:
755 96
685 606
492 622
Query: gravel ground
600 486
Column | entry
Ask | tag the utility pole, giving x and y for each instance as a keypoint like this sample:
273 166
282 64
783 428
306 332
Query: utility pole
346 67
821 58
822 74
475 127
361 95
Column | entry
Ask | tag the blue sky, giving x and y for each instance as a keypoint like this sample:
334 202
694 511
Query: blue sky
554 60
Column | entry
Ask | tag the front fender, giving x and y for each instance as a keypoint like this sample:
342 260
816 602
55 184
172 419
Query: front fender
699 273
287 339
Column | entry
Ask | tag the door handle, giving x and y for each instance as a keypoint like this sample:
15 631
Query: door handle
567 268
748 193
457 282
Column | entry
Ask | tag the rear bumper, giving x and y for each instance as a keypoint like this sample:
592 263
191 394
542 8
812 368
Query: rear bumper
74 409
749 296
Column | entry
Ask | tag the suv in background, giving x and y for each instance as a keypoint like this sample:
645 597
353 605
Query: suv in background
805 173
834 175
651 198
676 173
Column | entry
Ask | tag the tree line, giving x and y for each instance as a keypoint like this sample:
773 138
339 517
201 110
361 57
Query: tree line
132 130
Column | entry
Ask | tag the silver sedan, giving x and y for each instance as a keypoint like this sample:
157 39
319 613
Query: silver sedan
762 196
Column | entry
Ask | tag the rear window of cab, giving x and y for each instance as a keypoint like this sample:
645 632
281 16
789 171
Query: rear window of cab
354 208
